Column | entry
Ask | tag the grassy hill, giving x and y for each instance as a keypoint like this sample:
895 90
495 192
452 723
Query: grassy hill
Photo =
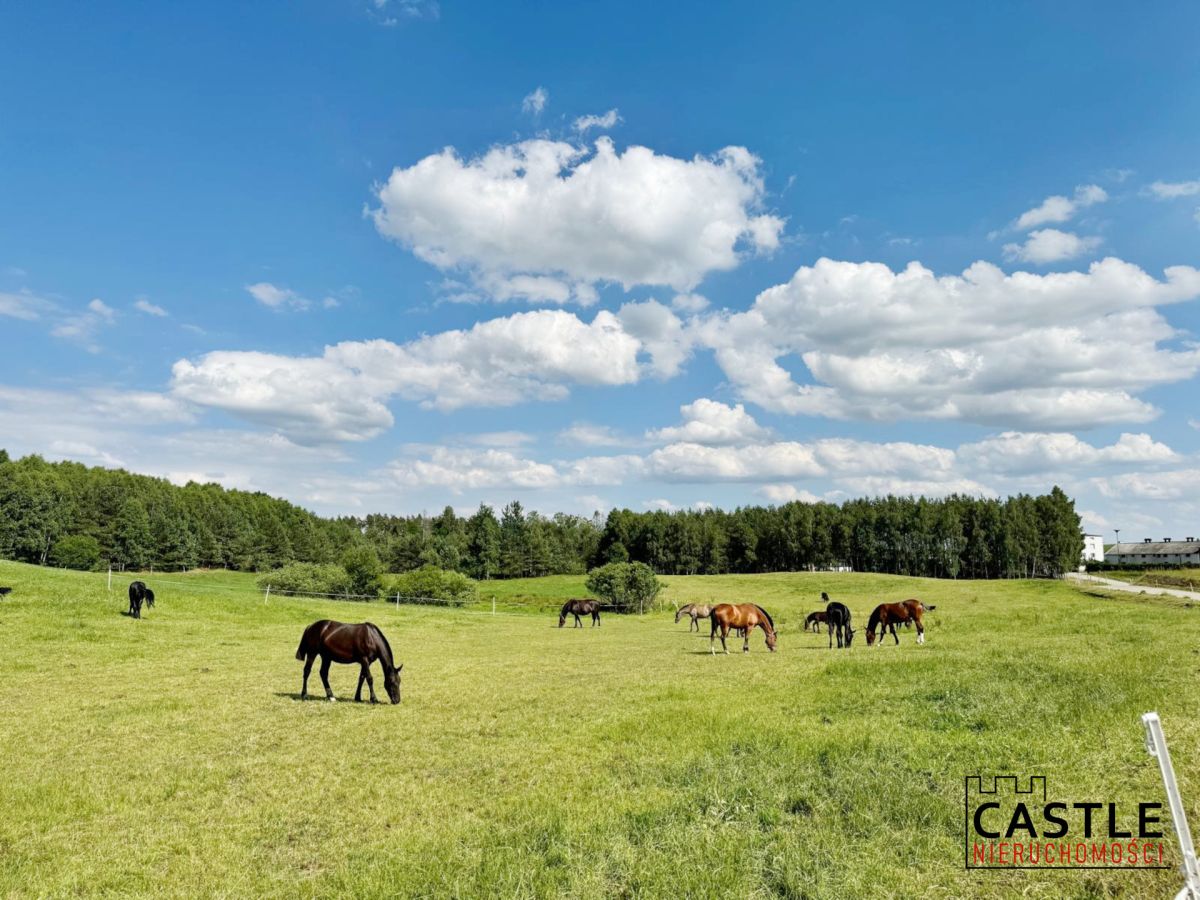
171 756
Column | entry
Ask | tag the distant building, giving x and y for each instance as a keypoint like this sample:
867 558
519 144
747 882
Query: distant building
1093 548
1150 552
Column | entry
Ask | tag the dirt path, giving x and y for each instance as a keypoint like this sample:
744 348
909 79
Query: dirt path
1080 578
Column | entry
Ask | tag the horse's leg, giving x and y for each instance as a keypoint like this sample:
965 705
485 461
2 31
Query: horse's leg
366 673
724 634
920 631
326 661
307 668
746 641
712 637
362 676
895 637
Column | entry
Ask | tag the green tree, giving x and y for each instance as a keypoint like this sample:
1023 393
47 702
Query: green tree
365 570
76 551
629 587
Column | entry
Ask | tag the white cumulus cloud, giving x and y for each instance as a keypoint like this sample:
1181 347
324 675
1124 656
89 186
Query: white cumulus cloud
1018 350
1049 245
712 423
571 218
1171 190
1058 208
535 101
342 394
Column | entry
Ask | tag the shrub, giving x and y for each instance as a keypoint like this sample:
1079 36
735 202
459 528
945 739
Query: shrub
629 587
78 551
362 564
308 578
431 584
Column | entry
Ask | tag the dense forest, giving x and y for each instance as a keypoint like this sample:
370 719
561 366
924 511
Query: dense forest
68 514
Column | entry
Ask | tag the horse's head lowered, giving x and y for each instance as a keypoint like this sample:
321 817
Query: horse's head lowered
391 682
850 636
870 636
562 618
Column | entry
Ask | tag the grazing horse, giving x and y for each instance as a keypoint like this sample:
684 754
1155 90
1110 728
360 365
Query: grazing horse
886 616
747 616
577 607
697 611
815 620
837 618
361 643
139 594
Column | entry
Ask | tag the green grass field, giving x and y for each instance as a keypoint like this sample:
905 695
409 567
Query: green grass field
171 756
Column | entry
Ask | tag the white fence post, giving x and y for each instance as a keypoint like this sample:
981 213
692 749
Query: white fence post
267 596
397 601
493 604
110 579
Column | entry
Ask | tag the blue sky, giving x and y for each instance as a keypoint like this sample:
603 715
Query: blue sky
387 256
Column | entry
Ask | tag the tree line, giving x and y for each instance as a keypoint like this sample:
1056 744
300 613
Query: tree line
69 514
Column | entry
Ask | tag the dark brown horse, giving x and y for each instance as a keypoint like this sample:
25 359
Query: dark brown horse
577 607
837 616
888 615
815 620
361 643
741 615
139 594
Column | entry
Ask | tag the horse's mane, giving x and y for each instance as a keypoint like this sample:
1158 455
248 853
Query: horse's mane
874 620
386 645
766 615
566 607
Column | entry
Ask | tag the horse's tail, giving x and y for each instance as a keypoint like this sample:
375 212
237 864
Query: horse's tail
300 654
766 615
929 606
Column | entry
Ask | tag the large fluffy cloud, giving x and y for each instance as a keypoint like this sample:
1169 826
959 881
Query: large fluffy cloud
1020 349
342 394
1016 453
560 212
711 423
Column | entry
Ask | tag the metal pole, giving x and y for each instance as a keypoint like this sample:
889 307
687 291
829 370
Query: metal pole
1156 746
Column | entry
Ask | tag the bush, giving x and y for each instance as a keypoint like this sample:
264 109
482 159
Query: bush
308 578
629 587
79 551
431 584
364 568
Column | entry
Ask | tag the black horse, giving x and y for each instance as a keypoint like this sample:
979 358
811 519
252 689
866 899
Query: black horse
361 643
139 594
577 607
837 618
5 591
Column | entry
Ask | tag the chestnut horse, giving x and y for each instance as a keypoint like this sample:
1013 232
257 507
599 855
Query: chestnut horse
815 620
746 616
697 611
887 615
361 643
576 607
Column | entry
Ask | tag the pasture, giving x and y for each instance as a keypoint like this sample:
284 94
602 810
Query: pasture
170 756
